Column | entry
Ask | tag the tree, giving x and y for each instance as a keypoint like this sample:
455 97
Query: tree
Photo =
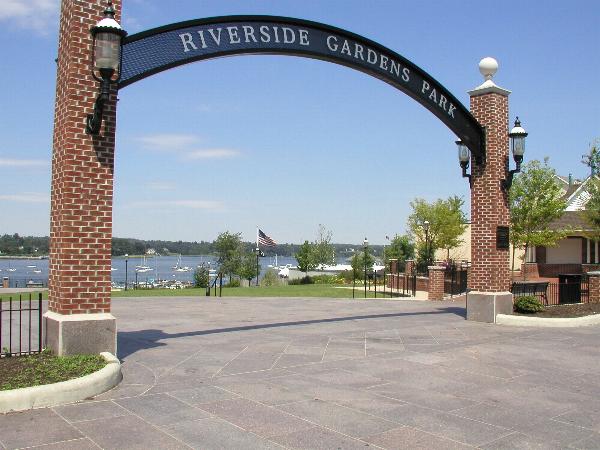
400 248
591 214
247 268
535 202
323 250
592 157
201 277
447 222
229 249
306 257
358 264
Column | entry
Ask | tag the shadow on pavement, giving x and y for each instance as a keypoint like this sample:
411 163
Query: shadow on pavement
129 342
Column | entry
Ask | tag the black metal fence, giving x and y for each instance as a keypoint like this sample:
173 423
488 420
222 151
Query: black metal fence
218 279
549 294
20 324
455 280
403 284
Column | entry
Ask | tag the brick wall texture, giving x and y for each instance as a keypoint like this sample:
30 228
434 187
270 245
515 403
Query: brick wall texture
82 172
436 283
489 203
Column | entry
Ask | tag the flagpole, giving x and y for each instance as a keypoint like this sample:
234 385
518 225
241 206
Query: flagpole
257 254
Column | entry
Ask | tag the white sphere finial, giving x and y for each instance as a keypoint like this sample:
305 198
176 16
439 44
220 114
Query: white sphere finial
488 67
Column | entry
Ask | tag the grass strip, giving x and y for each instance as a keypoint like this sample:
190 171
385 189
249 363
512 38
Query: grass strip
45 368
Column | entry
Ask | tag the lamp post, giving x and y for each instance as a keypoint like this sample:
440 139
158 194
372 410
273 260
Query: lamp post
126 258
387 239
517 144
365 248
107 37
426 229
257 251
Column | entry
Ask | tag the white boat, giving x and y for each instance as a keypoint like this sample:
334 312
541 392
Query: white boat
179 268
32 267
37 271
112 269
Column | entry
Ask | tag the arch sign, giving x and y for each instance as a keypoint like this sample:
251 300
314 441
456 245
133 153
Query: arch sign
162 48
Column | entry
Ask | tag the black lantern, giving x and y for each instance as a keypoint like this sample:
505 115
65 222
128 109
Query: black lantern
464 157
106 62
517 144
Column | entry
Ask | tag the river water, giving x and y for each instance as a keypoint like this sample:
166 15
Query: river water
22 271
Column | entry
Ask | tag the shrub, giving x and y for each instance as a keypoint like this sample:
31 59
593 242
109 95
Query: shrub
327 279
201 277
304 280
270 279
234 282
528 304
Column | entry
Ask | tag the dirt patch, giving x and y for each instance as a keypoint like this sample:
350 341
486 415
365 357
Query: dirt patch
575 310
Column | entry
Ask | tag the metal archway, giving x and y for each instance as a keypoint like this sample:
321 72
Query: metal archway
153 51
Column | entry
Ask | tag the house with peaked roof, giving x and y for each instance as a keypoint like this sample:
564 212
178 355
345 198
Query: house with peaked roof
576 253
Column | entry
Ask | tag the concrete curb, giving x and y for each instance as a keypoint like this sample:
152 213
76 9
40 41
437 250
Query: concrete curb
558 322
64 392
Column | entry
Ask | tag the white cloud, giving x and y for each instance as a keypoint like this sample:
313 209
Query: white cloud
168 142
26 197
192 204
212 153
8 162
37 15
186 145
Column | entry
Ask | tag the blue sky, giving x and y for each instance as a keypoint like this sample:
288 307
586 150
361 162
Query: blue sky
288 143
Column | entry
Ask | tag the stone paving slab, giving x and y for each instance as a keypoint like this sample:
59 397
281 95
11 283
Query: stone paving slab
268 373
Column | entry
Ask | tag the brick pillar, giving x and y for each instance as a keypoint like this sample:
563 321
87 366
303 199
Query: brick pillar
490 270
79 319
410 266
393 266
435 288
594 287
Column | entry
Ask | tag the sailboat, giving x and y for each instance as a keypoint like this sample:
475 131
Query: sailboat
143 267
178 268
11 269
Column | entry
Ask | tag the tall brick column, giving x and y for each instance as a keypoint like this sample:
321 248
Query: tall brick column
490 275
435 288
79 319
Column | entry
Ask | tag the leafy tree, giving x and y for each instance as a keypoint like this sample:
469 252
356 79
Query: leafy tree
592 157
201 277
358 263
306 257
535 202
247 268
229 250
447 222
591 214
323 250
400 248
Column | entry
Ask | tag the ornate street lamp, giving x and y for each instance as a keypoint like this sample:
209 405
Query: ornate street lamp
126 257
517 144
426 229
464 157
106 63
365 248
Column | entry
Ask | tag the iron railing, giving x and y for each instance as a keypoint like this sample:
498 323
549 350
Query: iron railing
550 294
210 286
26 282
455 280
19 336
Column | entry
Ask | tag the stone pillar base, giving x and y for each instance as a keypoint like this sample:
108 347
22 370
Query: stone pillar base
483 306
81 333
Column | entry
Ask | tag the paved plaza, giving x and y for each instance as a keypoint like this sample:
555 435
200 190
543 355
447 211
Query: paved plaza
246 373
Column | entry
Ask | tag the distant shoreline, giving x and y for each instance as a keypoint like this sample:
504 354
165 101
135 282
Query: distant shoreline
23 257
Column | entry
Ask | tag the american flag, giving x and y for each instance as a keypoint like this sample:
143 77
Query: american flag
265 240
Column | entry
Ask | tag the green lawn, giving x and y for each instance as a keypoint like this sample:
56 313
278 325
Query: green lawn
310 290
24 296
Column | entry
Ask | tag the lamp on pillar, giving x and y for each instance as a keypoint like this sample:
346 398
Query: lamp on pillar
517 144
464 157
106 61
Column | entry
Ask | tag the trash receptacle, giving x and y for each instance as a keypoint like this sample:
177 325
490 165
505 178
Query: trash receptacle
5 282
569 288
